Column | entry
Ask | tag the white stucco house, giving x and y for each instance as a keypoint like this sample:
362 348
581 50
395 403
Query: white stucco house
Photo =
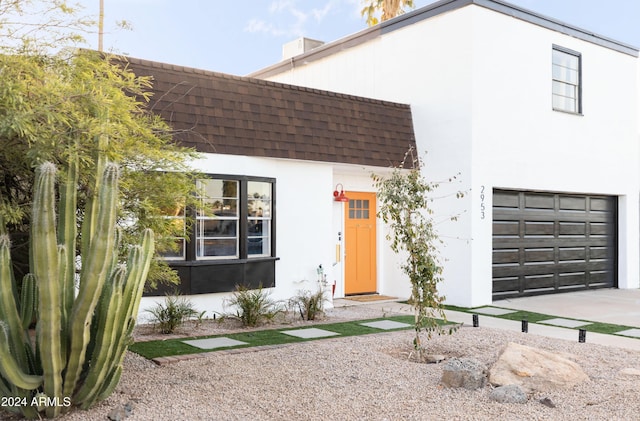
536 119
540 120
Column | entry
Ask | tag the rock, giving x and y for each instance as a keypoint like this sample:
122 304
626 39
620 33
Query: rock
128 408
510 393
464 372
535 370
547 402
117 414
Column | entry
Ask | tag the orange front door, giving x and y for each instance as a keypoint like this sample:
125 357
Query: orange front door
360 243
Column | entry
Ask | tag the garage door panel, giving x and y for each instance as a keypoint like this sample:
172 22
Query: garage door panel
552 242
566 228
601 204
572 278
539 254
600 278
538 201
508 284
572 253
506 199
506 228
572 203
598 228
506 256
537 228
599 252
536 282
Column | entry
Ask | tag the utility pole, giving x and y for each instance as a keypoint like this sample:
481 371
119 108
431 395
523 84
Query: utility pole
101 26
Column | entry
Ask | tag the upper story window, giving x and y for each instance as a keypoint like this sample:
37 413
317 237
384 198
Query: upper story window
567 75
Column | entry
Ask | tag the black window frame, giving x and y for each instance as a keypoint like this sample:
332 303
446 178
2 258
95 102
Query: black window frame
243 219
579 86
201 276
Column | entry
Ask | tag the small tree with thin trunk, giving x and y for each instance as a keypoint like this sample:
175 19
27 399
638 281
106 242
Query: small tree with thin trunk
405 208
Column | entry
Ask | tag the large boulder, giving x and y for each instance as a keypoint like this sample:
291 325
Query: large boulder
464 372
535 370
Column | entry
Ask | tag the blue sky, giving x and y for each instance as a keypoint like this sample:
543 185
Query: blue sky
239 37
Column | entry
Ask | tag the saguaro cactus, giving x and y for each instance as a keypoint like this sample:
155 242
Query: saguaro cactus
81 338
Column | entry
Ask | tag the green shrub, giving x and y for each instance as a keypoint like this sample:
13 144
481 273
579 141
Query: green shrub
254 306
311 304
173 313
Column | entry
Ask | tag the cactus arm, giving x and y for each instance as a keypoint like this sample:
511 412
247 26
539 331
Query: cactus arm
28 300
139 267
46 259
67 233
15 348
115 334
91 209
8 311
10 369
105 339
93 274
112 382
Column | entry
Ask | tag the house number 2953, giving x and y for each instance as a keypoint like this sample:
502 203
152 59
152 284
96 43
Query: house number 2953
482 206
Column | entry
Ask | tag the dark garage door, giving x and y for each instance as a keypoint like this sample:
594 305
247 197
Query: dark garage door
552 242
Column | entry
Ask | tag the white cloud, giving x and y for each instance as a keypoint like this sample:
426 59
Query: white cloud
319 14
290 17
260 26
279 5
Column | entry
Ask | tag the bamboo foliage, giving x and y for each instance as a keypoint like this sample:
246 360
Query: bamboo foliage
81 336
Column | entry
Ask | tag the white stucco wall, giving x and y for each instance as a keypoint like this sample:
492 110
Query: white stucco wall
307 224
303 223
479 86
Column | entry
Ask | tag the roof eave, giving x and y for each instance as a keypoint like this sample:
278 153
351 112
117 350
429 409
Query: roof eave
435 9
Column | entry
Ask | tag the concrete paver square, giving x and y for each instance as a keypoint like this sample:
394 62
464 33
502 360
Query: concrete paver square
565 322
493 311
630 332
309 333
386 324
212 343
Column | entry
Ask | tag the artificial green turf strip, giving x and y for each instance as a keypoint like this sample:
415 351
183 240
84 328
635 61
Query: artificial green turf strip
596 327
607 328
171 347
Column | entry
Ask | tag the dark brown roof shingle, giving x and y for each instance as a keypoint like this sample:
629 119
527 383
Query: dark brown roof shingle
225 114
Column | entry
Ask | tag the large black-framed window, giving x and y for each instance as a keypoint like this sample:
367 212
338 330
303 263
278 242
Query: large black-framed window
234 219
566 80
233 239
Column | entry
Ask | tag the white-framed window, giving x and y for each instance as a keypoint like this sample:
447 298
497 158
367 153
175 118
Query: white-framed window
566 80
259 203
217 219
233 219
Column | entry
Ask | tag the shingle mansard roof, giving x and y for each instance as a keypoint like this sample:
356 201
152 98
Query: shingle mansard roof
224 114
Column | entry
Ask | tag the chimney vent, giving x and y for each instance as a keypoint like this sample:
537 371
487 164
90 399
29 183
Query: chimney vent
299 46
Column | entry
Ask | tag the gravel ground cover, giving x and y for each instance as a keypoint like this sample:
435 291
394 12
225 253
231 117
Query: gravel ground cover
364 378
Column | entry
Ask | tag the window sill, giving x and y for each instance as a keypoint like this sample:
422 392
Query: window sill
214 262
579 114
